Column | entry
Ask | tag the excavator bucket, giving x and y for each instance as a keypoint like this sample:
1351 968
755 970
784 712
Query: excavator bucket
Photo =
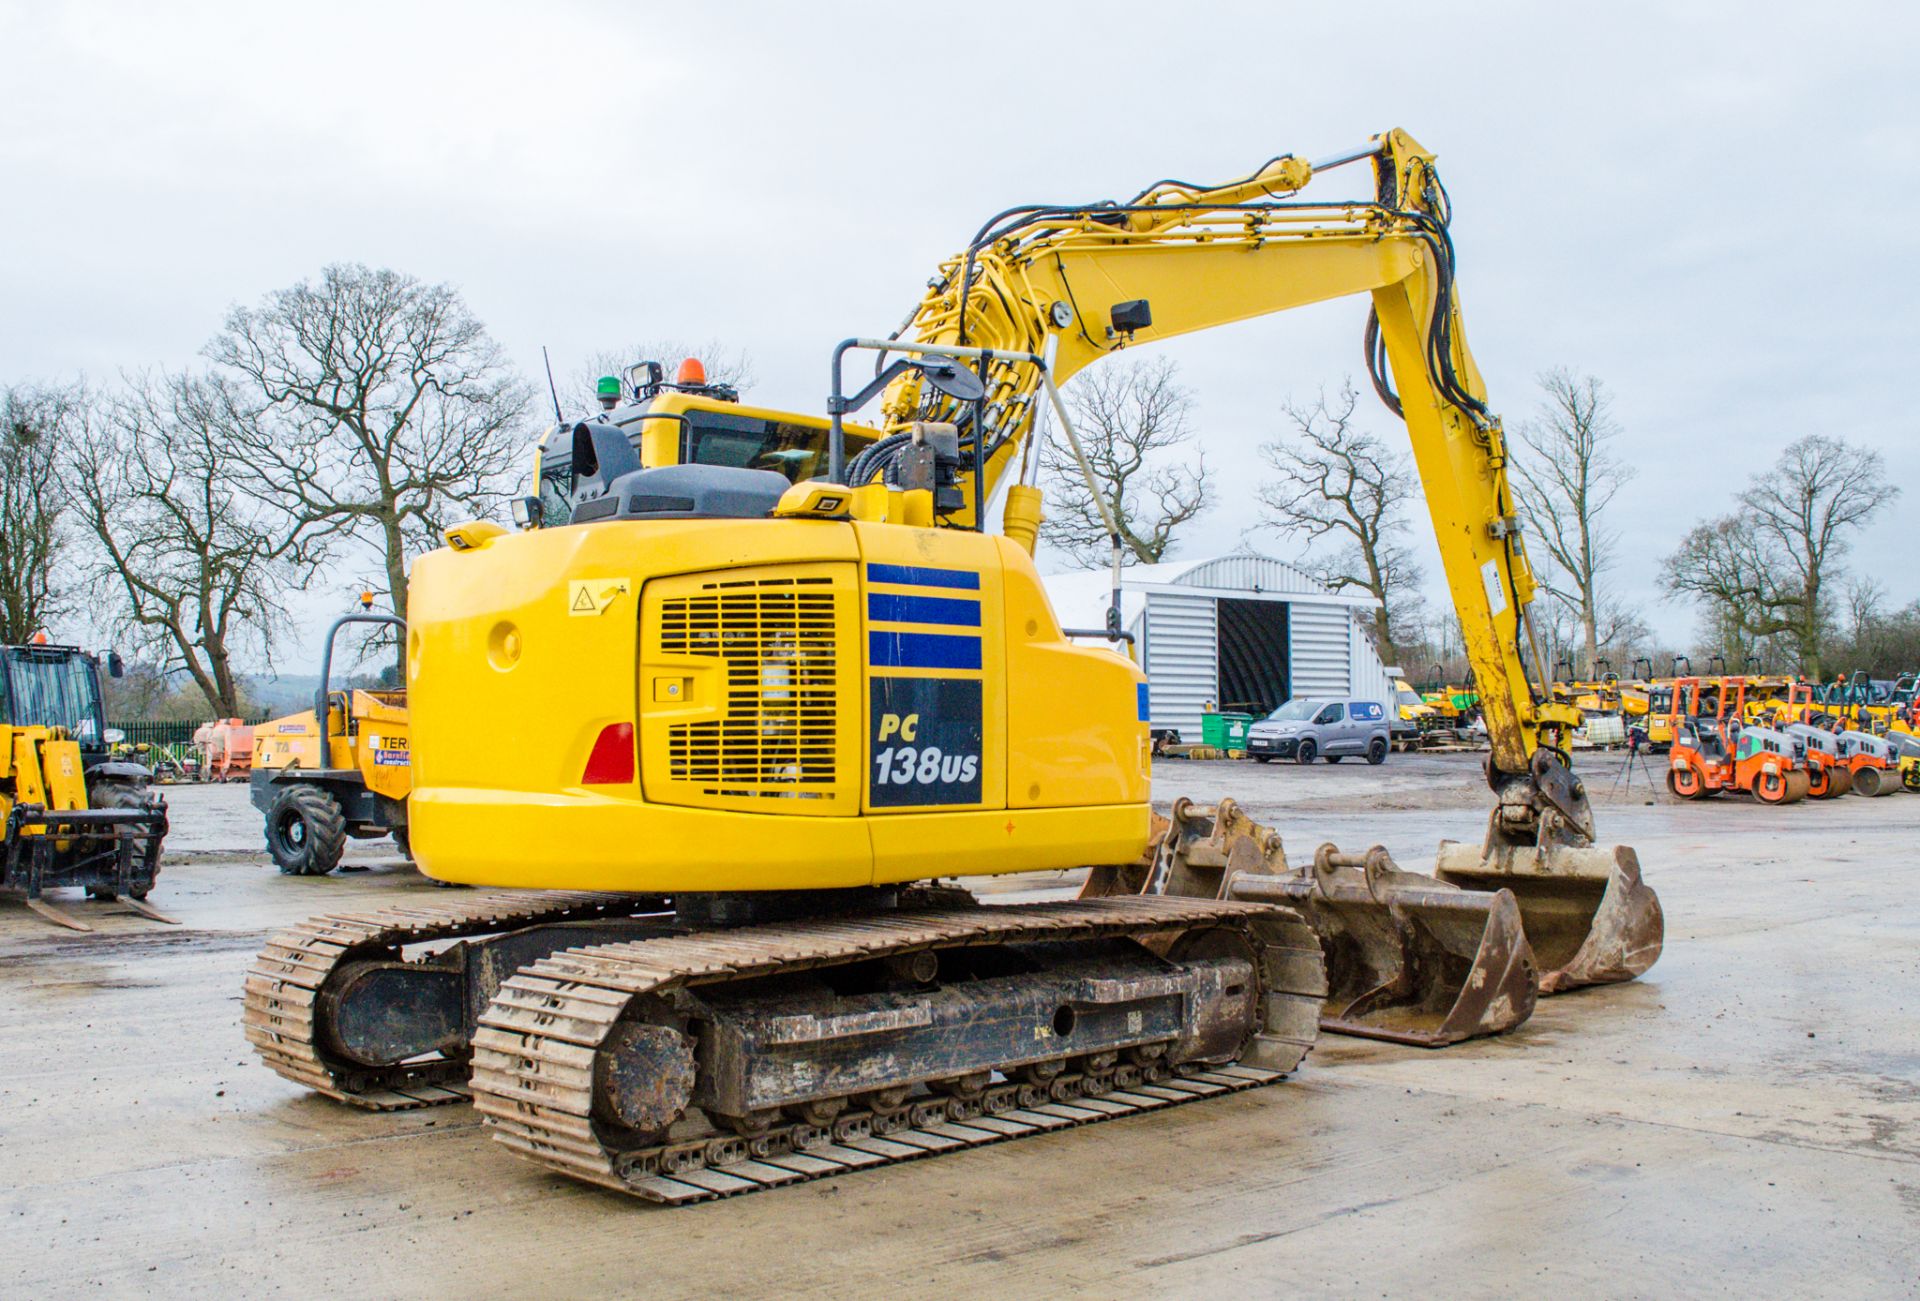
1409 959
1590 918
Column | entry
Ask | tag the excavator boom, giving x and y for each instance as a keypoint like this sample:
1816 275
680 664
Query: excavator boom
1075 283
1043 291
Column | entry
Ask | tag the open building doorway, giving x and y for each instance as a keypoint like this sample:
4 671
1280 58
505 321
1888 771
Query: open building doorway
1252 656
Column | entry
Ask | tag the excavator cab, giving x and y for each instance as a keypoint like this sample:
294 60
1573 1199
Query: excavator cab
686 423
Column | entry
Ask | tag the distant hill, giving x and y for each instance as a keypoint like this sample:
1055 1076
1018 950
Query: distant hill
281 693
288 693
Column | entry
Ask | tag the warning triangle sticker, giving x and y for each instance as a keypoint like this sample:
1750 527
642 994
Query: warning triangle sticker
583 601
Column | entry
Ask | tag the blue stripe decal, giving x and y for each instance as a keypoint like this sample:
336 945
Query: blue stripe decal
914 576
1145 712
960 612
922 650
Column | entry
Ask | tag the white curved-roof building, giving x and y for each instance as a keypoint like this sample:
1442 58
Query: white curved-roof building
1244 631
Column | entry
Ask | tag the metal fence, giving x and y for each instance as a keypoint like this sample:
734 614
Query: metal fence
168 732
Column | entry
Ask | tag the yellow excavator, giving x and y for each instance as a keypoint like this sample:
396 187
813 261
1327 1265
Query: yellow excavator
748 686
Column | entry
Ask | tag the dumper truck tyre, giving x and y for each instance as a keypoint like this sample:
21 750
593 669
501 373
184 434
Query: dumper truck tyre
401 843
1306 754
1376 752
306 831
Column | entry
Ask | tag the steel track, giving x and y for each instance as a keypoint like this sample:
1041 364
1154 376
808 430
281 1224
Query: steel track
282 989
535 1054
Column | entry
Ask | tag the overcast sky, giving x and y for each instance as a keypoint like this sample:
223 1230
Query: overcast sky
1710 206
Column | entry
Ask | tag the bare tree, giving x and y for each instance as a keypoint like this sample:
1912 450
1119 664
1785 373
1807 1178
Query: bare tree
1347 488
1564 486
34 421
1764 571
1821 490
1622 634
198 565
1132 420
724 364
1865 598
375 407
1884 643
1722 564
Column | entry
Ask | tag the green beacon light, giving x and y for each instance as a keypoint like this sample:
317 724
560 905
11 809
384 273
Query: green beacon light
609 392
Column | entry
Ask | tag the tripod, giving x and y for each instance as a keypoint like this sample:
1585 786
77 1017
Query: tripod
1636 757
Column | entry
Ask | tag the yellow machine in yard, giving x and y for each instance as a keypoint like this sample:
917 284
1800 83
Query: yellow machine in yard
314 795
767 676
76 817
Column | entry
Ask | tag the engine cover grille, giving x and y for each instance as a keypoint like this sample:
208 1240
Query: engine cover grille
776 736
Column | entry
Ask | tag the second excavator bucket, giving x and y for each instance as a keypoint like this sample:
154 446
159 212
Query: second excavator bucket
1590 918
1409 959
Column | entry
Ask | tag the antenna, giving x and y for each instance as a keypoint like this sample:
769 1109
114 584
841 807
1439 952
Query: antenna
557 417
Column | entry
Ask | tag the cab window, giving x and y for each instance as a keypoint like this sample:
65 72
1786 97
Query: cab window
796 451
1331 714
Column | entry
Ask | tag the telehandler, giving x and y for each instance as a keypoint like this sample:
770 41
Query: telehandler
768 675
76 816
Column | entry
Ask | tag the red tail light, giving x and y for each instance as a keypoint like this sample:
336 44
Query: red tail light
611 763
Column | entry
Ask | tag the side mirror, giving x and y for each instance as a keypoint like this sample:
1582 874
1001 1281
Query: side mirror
116 667
526 512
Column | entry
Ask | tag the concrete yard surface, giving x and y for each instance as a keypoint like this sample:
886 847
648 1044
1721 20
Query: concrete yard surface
1745 1120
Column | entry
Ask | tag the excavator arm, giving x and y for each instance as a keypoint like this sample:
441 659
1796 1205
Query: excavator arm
1073 283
